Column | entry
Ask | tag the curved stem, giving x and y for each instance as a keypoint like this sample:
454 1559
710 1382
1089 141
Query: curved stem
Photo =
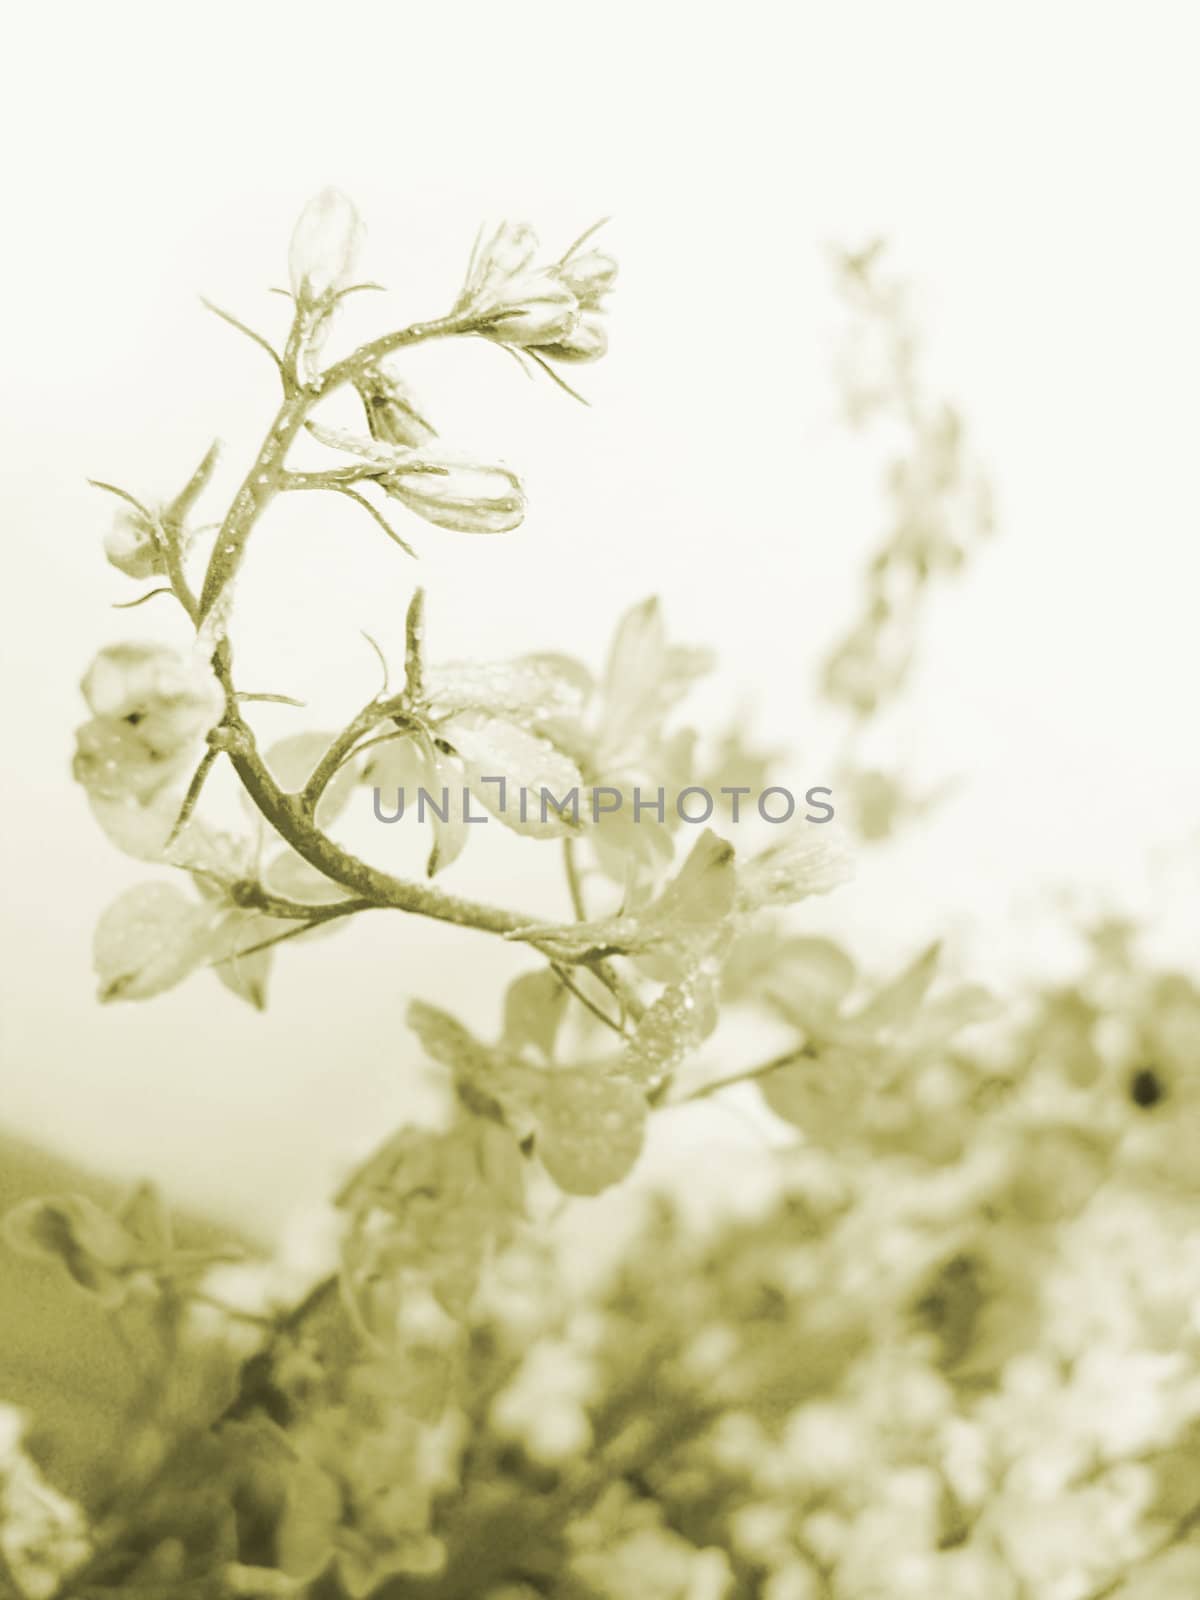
259 487
366 355
288 815
339 752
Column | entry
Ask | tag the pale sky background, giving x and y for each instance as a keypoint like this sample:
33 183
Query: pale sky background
1034 169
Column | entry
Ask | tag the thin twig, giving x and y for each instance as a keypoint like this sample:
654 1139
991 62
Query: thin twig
560 381
122 494
300 480
194 788
128 605
183 502
381 658
564 977
788 1059
574 881
583 238
257 338
414 648
341 750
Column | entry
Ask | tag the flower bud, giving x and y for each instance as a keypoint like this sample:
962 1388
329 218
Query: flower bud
132 545
392 416
537 310
325 246
588 277
588 341
170 701
514 302
506 255
465 496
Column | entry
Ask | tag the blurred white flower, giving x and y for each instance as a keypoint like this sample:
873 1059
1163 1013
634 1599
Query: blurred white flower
43 1535
133 546
545 1405
169 699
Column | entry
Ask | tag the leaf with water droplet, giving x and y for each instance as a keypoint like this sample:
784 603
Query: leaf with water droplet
139 829
537 775
675 932
148 941
682 1016
806 862
591 1128
529 690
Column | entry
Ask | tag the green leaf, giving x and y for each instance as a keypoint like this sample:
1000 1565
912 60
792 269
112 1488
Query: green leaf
644 679
501 1165
214 856
682 1016
897 1002
487 1079
804 863
809 980
530 690
148 941
446 1041
311 1515
450 834
591 1128
677 930
292 877
243 969
534 1006
138 829
702 892
294 760
537 774
823 1097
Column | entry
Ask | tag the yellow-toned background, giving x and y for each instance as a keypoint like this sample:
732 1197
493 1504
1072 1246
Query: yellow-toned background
1034 167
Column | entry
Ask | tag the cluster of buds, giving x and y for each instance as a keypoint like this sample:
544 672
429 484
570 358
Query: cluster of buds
551 310
151 707
449 491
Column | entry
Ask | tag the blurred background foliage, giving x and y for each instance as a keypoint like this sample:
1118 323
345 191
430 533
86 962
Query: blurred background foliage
952 1347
